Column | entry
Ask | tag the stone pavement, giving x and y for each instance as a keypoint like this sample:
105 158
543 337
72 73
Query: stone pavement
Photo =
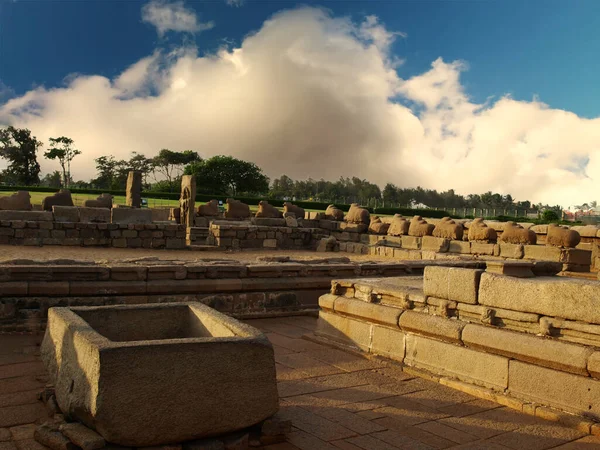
336 400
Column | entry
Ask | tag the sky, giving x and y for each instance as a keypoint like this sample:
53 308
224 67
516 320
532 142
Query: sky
473 95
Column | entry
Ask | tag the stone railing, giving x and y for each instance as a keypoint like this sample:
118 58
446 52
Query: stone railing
27 290
529 343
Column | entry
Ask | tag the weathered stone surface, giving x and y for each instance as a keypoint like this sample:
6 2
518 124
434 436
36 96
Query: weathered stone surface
199 354
459 247
434 326
376 226
344 330
82 436
94 215
512 251
269 221
33 216
519 269
209 209
398 226
419 227
565 391
133 190
368 311
594 364
291 222
52 438
460 362
448 229
479 231
187 200
65 213
525 347
19 201
483 248
388 342
268 211
296 210
353 227
562 236
103 201
435 244
513 233
61 198
542 253
452 283
356 214
236 209
334 213
568 298
411 242
130 215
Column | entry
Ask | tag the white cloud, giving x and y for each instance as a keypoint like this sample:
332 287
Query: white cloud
236 3
314 95
173 16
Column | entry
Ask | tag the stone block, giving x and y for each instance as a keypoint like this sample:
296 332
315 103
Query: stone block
327 301
593 365
520 269
564 297
82 436
353 227
268 222
368 311
65 213
189 350
565 391
388 342
344 330
133 197
576 256
128 273
411 242
512 251
459 247
443 358
270 243
434 326
542 253
33 216
130 216
525 347
451 283
482 248
434 244
94 215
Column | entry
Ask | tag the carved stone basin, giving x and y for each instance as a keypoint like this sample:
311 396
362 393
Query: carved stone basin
144 375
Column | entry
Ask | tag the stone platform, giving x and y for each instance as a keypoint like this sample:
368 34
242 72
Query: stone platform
336 400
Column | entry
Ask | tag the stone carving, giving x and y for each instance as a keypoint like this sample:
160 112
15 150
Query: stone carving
328 244
419 227
487 316
134 189
449 229
290 208
334 213
175 215
61 198
236 209
514 233
19 201
187 199
562 237
479 231
210 209
268 211
399 226
377 226
103 201
356 214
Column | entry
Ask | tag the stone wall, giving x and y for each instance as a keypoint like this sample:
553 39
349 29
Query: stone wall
27 290
527 343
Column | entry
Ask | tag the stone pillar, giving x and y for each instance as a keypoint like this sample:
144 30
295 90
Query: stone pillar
134 189
187 200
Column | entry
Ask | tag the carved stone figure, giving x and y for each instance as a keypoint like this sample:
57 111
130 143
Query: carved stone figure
103 201
210 209
61 198
419 227
356 214
334 213
513 233
449 229
399 226
479 231
562 237
19 201
268 211
290 208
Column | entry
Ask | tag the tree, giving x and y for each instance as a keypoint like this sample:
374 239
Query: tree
52 179
170 164
228 175
20 148
550 216
142 164
61 148
112 173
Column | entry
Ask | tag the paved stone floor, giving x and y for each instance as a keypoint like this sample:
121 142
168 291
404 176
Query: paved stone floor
335 399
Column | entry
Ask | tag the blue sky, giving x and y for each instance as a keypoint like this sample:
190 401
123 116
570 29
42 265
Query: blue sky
524 48
466 95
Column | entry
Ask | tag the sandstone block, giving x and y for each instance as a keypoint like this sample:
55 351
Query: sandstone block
565 391
576 256
291 222
542 253
519 269
448 359
593 365
452 283
133 189
448 229
411 242
368 311
435 244
479 231
419 227
353 227
65 213
94 215
228 364
568 298
526 347
131 216
512 251
562 237
398 226
482 248
434 326
388 342
513 233
344 330
357 215
459 247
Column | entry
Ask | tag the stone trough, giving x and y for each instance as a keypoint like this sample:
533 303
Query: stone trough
145 375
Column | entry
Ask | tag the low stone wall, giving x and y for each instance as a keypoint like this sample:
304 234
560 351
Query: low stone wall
19 232
527 343
28 290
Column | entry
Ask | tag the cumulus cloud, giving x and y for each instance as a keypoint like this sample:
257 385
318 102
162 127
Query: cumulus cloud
237 3
314 95
174 16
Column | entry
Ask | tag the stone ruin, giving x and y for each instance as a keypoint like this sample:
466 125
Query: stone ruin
419 227
356 214
334 213
61 198
19 201
103 201
268 211
133 196
236 209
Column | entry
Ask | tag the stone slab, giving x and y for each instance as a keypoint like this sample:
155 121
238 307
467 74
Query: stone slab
344 330
94 215
451 283
434 326
130 215
31 216
65 213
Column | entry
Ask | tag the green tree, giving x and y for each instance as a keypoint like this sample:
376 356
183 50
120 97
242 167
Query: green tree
61 148
142 164
229 176
550 216
19 147
52 179
112 173
170 164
